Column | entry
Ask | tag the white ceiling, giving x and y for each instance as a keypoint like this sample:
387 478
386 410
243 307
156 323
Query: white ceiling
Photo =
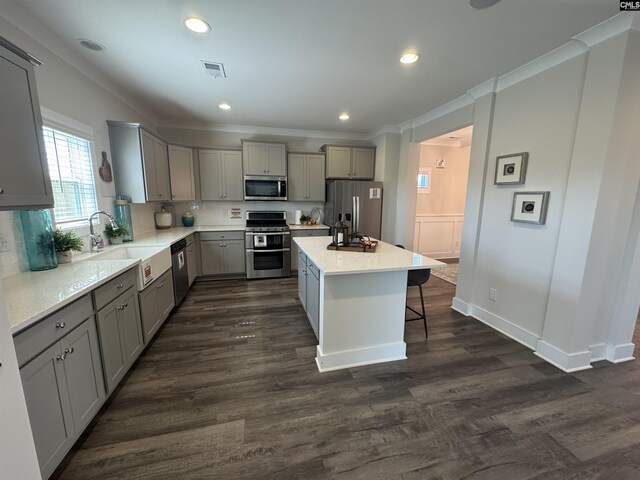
299 63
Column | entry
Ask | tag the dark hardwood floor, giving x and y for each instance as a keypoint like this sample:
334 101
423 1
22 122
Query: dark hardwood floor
229 390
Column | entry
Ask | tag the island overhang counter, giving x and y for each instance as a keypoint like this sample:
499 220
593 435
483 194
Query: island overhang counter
355 301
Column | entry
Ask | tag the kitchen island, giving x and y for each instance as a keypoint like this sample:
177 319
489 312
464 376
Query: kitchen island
356 301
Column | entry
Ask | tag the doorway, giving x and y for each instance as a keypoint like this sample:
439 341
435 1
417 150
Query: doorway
441 192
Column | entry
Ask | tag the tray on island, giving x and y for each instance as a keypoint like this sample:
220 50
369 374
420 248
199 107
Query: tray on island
363 247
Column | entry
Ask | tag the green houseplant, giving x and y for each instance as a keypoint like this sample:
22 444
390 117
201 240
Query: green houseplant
66 242
115 234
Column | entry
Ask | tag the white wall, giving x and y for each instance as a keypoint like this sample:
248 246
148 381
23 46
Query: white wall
67 95
448 185
568 288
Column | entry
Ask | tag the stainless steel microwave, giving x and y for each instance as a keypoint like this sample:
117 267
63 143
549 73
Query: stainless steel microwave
258 187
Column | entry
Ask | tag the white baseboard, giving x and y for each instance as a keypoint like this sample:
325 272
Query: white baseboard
620 353
567 362
505 327
598 352
363 356
461 306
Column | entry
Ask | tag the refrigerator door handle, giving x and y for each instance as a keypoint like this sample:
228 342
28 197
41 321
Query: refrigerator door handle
357 214
354 215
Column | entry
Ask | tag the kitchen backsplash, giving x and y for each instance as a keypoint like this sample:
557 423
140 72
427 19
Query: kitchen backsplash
206 213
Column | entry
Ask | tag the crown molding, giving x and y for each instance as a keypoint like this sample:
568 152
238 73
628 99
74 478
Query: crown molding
273 131
490 86
611 27
383 129
540 64
449 107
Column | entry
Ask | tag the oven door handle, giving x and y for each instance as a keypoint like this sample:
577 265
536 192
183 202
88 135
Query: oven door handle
268 234
269 251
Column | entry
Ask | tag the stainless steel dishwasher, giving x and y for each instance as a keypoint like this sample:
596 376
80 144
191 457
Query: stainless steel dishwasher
180 270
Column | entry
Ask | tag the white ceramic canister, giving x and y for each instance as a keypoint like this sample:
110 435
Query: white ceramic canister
164 219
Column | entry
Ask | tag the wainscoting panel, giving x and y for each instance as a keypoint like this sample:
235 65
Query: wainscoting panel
438 236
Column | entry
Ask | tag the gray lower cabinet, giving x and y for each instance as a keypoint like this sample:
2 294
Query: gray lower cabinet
156 303
310 232
222 253
24 182
120 336
192 264
63 382
302 279
309 290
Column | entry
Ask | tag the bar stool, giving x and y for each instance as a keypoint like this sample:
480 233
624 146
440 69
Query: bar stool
417 278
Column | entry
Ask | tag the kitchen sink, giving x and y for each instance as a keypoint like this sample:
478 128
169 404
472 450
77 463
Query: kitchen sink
154 261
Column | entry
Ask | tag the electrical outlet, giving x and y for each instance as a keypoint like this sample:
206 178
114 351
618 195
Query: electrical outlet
4 243
493 294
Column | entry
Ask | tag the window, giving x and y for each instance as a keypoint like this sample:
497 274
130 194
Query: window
424 180
71 170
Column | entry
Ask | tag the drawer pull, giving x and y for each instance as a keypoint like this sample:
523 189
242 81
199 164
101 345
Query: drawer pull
60 325
119 285
60 357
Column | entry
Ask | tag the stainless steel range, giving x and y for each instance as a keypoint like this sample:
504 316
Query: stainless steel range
268 245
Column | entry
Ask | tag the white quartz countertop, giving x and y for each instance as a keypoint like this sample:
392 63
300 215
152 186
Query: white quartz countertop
322 226
31 296
387 257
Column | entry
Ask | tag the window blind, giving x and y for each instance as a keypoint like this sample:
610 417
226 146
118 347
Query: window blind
71 171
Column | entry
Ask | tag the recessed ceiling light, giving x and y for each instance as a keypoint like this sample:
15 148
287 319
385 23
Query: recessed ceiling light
224 106
91 45
197 25
344 116
482 3
409 58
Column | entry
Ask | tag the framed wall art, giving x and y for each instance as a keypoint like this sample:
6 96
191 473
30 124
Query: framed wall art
530 207
511 169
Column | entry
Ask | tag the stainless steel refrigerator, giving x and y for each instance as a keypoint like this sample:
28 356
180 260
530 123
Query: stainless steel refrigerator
360 201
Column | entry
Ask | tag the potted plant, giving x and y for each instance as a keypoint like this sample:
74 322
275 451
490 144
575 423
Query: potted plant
64 243
115 234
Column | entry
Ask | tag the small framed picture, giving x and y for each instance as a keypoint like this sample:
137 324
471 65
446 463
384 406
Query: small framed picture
511 169
530 207
440 163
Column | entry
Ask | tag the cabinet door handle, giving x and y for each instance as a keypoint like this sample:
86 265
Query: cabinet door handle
60 325
61 357
173 195
68 351
268 170
126 304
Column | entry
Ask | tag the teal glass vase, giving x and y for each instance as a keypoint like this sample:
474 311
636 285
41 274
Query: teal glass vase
123 217
38 239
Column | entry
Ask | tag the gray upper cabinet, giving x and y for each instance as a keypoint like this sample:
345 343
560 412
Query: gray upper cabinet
306 177
264 158
141 163
220 175
24 181
357 163
181 174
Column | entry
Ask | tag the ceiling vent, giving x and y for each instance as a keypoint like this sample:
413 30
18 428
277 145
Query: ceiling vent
213 69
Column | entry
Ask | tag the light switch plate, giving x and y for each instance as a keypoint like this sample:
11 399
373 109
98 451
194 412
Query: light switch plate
5 246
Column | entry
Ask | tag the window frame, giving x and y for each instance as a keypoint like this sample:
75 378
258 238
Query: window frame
424 171
69 126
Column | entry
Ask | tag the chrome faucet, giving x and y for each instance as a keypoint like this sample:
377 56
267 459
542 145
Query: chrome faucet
97 243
